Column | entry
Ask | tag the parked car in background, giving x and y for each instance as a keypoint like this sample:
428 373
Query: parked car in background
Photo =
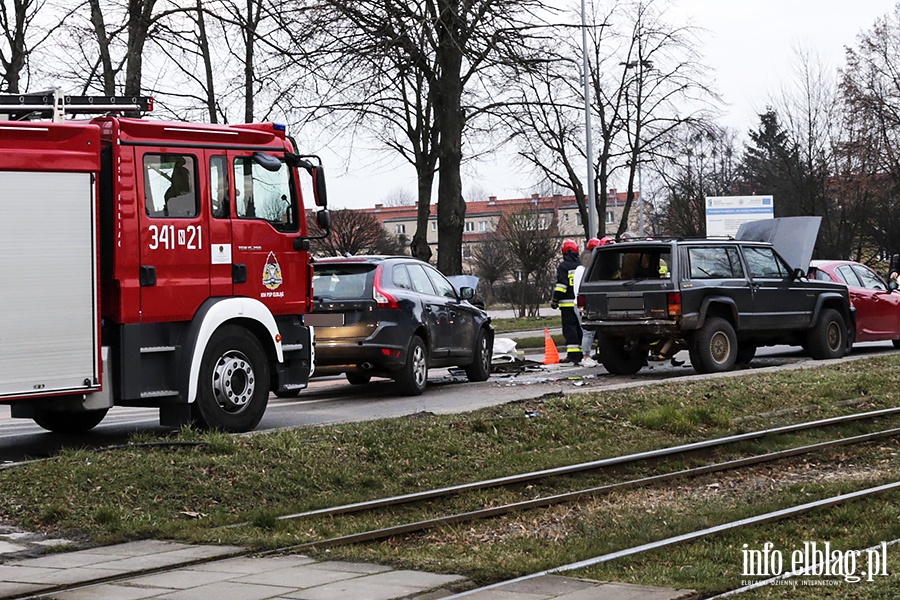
396 317
877 307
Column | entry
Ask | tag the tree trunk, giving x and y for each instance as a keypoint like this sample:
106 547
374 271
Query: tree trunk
140 17
18 52
107 72
249 46
450 122
419 246
203 43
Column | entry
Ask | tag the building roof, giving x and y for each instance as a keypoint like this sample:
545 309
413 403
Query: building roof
492 206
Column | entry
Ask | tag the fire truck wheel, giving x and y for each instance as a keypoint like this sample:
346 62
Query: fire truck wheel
233 388
59 421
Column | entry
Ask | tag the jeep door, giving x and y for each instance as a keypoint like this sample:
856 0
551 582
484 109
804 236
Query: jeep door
779 302
718 270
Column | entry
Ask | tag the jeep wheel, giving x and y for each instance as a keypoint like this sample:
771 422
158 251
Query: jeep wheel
745 353
619 360
826 339
714 349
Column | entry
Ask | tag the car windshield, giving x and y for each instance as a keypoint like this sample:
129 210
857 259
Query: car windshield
341 282
627 262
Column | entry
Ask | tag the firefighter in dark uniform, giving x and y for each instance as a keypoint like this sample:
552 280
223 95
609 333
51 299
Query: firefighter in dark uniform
564 298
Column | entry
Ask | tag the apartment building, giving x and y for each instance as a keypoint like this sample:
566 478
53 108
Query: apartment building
483 216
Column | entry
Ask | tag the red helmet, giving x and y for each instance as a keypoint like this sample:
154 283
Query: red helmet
593 243
607 240
569 246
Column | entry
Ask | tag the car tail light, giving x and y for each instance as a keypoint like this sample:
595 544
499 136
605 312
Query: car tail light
382 298
673 303
390 352
580 301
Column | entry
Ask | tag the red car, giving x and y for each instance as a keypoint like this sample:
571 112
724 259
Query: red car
877 307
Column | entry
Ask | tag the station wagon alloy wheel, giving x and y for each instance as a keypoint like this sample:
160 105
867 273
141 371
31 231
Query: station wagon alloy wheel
413 377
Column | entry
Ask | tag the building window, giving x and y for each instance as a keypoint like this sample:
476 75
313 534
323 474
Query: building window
434 225
467 251
578 219
483 226
610 217
401 228
470 226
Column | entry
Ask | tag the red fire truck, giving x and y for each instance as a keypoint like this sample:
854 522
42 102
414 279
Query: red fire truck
149 263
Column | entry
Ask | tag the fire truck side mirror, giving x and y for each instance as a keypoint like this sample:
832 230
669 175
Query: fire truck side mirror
323 220
267 161
319 190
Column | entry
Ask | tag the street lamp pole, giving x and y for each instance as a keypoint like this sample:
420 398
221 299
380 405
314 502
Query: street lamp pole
640 65
588 151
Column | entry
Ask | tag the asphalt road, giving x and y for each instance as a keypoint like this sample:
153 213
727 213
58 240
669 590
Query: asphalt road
333 400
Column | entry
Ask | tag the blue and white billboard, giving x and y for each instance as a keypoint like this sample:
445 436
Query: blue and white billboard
725 214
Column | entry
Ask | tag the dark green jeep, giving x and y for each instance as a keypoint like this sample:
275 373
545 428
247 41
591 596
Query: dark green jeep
718 299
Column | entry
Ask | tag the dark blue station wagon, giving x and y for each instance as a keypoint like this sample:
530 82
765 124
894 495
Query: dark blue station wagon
396 317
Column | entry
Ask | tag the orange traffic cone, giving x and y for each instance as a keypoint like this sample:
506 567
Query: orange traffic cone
551 355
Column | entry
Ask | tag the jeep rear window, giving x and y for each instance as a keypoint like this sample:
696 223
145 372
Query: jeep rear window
342 282
629 263
714 263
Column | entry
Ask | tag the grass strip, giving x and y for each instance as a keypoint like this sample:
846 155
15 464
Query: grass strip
185 492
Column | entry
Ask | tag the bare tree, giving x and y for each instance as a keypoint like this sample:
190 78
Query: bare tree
491 262
355 232
870 91
414 61
21 34
704 162
664 90
532 244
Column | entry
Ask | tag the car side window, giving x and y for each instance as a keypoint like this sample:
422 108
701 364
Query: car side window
714 263
444 288
764 264
869 279
420 281
846 274
400 277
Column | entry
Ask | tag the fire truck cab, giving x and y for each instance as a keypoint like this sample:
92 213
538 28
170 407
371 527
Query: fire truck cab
153 264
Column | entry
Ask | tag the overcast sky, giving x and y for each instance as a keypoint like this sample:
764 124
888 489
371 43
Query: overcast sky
749 46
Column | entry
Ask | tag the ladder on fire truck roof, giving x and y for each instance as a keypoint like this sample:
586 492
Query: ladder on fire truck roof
54 105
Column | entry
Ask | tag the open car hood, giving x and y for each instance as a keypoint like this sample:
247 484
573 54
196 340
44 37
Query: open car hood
793 237
461 281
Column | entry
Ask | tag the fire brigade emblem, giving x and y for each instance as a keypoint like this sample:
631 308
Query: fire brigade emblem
272 273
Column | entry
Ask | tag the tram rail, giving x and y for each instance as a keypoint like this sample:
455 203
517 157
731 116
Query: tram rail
572 496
